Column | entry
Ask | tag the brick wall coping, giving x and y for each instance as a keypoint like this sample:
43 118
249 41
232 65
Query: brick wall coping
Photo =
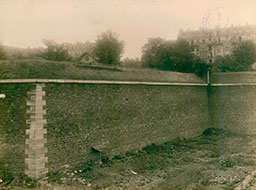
234 84
232 73
6 81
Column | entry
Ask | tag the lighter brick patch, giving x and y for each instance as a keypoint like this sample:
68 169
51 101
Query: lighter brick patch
35 142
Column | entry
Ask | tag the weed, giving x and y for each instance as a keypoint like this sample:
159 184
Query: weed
214 131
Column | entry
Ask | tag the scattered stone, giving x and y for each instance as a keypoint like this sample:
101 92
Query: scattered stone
245 184
66 166
2 96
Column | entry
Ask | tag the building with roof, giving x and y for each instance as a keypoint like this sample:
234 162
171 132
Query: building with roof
210 43
87 59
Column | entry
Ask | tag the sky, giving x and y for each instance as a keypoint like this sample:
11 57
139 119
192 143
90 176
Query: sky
24 23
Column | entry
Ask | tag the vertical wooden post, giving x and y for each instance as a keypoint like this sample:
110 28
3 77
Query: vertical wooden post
208 75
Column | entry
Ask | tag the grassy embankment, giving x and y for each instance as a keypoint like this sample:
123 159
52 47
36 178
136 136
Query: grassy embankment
43 69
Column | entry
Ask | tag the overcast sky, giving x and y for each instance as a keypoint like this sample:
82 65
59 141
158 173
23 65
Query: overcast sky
25 23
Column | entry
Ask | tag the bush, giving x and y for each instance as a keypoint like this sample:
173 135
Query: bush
199 67
244 55
214 131
2 53
222 64
241 59
54 51
172 56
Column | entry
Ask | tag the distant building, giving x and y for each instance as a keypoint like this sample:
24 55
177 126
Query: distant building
210 43
87 59
75 50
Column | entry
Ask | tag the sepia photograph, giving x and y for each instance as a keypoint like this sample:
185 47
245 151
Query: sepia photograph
127 95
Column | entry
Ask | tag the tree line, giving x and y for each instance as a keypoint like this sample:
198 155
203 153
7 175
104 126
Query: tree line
177 56
108 49
157 53
172 56
241 58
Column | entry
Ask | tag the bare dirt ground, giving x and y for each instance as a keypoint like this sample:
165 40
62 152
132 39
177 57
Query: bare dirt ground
215 160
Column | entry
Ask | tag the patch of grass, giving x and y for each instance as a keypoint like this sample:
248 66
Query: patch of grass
170 187
227 164
143 163
100 68
86 166
5 176
214 131
130 154
44 69
119 157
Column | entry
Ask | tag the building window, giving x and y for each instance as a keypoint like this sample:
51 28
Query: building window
203 54
203 48
218 49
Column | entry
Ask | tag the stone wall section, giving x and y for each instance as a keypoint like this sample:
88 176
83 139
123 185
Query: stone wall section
84 115
233 108
35 148
115 119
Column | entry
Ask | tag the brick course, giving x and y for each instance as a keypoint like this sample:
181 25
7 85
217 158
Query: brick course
119 118
36 150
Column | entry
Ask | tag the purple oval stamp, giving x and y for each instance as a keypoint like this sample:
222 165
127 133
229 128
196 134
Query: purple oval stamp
217 18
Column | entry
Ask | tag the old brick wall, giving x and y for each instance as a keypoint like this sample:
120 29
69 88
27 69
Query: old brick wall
114 118
118 118
233 107
12 128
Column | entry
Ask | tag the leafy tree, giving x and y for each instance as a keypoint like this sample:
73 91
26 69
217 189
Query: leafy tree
54 51
2 53
244 55
183 57
222 63
241 59
199 66
173 56
158 53
108 48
